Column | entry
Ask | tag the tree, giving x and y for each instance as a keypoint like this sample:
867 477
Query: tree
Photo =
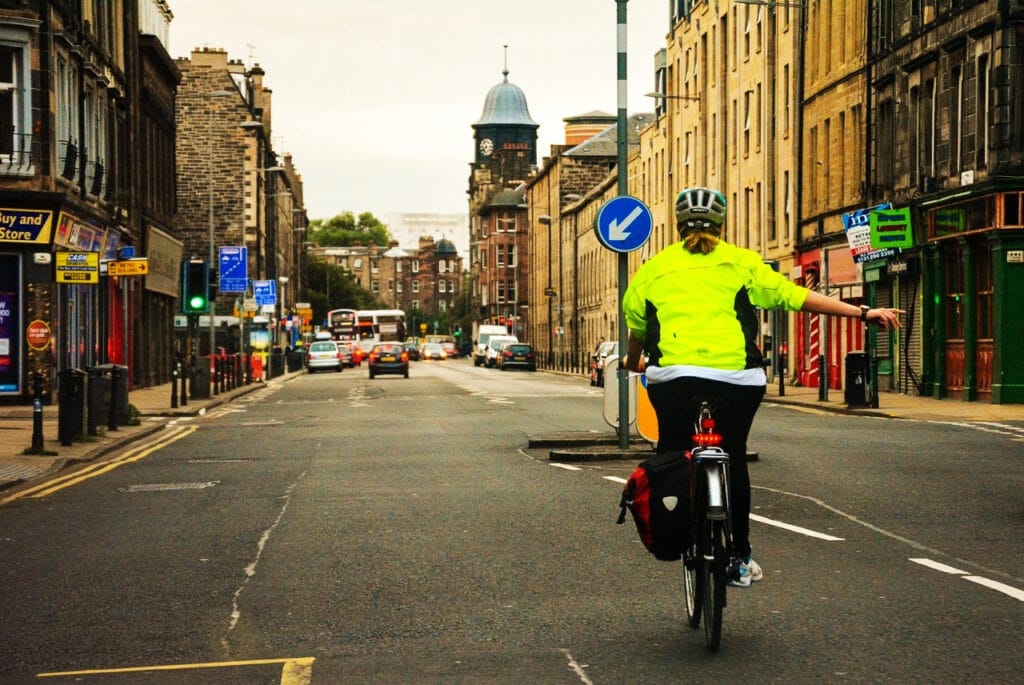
332 287
345 230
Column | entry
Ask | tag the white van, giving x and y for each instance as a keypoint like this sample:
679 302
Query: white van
482 334
494 347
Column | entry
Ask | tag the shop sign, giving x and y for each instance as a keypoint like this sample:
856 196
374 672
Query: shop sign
76 234
891 228
78 267
25 225
128 267
38 335
858 234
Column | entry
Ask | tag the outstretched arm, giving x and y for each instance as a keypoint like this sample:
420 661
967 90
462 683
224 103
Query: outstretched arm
885 317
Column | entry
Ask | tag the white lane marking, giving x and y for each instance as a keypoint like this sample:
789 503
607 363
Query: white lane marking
979 580
939 567
615 479
795 529
998 587
983 426
577 668
567 467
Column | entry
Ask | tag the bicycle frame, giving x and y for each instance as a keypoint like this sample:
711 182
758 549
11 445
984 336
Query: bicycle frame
711 561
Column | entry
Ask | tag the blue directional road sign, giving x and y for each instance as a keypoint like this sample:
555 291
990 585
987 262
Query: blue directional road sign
623 223
265 292
234 270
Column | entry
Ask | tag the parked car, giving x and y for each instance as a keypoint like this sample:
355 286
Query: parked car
348 353
323 354
388 358
494 345
433 351
517 356
413 350
597 361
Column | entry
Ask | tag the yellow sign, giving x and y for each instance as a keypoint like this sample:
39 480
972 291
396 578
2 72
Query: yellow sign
128 267
77 267
25 225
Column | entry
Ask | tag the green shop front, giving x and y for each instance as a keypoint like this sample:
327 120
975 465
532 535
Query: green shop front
973 294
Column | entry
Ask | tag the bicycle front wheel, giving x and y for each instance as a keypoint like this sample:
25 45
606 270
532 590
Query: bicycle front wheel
692 583
713 563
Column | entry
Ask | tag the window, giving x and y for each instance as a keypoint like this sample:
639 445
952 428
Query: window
955 115
398 287
415 287
67 114
441 285
357 263
511 291
440 266
981 121
415 303
501 292
374 286
415 266
501 256
511 256
391 285
398 266
15 115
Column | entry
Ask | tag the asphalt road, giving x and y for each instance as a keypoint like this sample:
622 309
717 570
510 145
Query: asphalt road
340 530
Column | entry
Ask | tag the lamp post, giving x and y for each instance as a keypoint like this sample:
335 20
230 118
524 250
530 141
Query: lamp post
549 292
211 302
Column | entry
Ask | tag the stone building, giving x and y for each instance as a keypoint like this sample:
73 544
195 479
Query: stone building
86 169
945 102
505 139
233 184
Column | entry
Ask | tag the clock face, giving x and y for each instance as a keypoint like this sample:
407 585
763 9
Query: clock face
486 147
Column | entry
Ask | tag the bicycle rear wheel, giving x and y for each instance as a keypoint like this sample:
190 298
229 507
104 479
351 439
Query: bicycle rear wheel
692 583
713 577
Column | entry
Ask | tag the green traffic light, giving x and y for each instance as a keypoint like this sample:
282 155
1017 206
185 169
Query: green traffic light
197 302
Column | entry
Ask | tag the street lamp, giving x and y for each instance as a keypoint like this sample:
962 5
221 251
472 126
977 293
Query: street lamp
549 292
212 302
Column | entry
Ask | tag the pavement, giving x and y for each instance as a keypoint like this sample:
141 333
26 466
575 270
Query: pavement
17 425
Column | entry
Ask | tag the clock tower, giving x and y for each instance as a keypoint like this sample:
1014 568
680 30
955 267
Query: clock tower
505 136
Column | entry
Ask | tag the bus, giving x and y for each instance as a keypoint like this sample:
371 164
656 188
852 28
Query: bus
379 325
341 324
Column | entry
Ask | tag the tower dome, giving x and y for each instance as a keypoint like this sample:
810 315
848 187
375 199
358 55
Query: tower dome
505 104
445 246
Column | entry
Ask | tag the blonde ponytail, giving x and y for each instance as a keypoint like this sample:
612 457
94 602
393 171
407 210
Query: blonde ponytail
699 240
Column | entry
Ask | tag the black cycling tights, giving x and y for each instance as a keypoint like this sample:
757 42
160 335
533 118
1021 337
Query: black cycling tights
677 402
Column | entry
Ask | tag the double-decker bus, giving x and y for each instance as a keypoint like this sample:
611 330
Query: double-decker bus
341 323
379 325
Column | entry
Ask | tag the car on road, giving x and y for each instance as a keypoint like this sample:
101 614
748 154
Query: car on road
433 351
388 358
517 356
413 350
323 355
598 359
451 350
348 353
494 345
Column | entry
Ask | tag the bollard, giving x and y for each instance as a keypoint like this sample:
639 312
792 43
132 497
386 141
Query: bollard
214 375
37 413
91 418
184 390
112 415
822 379
174 387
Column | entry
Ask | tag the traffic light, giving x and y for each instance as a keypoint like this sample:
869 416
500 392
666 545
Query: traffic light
457 332
195 287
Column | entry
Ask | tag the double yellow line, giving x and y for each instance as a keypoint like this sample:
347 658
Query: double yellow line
135 454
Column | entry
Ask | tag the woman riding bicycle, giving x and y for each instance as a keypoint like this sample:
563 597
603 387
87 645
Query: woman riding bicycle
690 308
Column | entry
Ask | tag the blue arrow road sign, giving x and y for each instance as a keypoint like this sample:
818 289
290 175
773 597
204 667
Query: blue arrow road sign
623 223
234 269
265 292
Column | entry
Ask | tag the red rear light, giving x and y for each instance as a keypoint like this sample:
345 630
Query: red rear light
508 353
707 439
405 356
707 424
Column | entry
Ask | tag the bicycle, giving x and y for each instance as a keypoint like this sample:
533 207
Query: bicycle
710 562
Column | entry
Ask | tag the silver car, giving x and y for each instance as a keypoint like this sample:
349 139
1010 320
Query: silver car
323 354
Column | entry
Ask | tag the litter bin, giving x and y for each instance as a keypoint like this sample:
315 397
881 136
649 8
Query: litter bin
294 360
276 363
856 385
70 405
200 382
102 378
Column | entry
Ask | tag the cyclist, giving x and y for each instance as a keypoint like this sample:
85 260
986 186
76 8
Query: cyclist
690 308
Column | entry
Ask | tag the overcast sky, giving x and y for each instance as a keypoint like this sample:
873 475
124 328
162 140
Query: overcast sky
375 99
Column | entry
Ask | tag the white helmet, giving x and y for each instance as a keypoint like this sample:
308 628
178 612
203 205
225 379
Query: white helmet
700 205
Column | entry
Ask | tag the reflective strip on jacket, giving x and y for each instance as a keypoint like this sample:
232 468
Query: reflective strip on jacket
698 310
